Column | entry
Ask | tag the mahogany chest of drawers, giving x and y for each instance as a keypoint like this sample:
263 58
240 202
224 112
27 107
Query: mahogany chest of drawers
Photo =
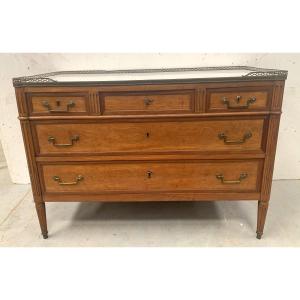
188 134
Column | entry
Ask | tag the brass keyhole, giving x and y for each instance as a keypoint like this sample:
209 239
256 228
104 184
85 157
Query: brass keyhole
148 101
147 134
149 174
238 98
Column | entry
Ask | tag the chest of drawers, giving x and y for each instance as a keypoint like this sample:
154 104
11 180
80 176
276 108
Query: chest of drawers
190 134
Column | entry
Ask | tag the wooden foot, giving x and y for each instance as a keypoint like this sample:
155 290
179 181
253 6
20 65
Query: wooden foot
261 217
41 212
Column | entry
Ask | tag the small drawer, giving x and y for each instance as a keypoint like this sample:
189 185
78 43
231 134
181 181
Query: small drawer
238 99
143 177
57 104
150 137
165 102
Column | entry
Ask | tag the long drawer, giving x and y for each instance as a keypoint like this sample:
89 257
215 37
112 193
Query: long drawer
143 177
149 137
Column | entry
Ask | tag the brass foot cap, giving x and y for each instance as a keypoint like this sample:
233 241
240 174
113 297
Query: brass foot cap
258 235
45 235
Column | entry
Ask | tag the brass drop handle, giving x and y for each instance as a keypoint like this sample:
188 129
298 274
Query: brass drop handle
60 182
148 101
73 139
238 98
227 141
221 177
48 106
149 174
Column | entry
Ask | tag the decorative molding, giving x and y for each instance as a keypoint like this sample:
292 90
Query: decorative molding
202 100
197 100
94 102
254 74
270 157
268 74
30 154
277 95
23 81
21 102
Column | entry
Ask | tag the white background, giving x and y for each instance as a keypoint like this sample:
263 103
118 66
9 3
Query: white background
287 165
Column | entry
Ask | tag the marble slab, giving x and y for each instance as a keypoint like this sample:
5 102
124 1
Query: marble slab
149 75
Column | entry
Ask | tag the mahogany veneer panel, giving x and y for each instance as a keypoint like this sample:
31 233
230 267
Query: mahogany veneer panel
237 99
152 176
150 102
58 103
149 137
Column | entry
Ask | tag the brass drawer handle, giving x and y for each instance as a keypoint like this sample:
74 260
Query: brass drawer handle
60 182
238 98
48 106
149 174
148 101
227 141
221 177
73 139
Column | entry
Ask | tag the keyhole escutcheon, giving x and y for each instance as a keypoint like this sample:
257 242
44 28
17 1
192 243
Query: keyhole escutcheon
149 174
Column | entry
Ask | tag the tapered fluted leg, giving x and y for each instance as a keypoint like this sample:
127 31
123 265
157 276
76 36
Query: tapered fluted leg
261 217
41 212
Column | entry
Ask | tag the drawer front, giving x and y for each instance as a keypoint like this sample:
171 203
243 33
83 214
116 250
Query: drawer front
150 137
166 102
238 99
58 104
152 177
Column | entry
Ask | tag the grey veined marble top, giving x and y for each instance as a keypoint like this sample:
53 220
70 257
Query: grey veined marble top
144 76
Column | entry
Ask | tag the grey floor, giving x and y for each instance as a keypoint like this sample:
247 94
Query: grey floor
173 224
